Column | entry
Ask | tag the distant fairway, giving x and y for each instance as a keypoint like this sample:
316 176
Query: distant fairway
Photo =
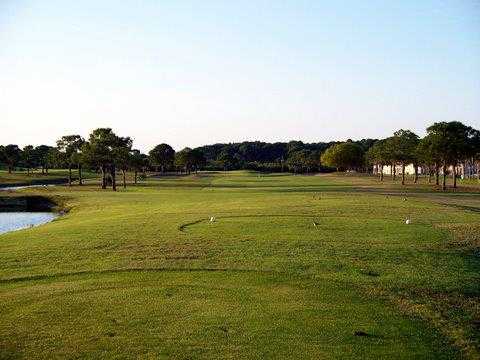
143 273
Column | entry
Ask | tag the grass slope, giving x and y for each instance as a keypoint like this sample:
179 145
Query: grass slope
142 273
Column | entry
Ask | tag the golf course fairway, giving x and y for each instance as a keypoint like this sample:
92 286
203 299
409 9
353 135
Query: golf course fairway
244 265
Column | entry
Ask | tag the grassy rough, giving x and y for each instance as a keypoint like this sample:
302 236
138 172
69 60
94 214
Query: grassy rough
142 273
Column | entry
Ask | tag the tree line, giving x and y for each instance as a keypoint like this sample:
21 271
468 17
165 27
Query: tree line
104 152
294 156
446 145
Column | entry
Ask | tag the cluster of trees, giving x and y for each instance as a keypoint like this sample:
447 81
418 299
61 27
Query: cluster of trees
345 156
446 146
294 156
104 152
11 156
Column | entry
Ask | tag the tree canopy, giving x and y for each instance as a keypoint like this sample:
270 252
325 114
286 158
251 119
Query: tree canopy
347 156
162 156
446 145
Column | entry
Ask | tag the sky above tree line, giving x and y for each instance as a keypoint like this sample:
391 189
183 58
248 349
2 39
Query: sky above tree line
190 73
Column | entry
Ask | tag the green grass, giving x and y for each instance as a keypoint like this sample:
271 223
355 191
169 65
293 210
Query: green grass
18 178
141 273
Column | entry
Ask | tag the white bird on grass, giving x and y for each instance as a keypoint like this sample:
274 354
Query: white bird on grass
212 219
407 221
315 224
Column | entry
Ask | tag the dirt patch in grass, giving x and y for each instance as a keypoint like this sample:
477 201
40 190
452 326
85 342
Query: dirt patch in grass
465 236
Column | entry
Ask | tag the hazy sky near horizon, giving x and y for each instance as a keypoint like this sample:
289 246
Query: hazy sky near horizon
199 72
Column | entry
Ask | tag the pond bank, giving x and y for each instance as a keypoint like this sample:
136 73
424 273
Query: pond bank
27 203
20 212
33 183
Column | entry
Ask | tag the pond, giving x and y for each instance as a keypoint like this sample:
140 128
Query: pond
10 221
20 187
16 220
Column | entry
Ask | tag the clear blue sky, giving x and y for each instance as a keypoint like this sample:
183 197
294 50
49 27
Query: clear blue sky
200 72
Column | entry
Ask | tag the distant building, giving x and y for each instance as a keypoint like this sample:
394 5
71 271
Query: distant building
464 171
468 170
388 169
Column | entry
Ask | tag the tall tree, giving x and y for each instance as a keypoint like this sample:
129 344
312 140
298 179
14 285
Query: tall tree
2 155
122 156
138 162
379 155
54 159
183 160
28 157
428 157
405 143
451 141
12 155
70 146
471 157
475 151
98 152
162 156
391 154
40 154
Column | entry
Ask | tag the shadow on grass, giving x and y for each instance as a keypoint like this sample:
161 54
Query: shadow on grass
127 270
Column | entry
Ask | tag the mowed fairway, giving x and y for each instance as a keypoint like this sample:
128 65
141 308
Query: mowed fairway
143 273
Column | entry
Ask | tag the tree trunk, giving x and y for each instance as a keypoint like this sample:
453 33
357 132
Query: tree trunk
394 172
403 173
9 169
429 175
135 177
69 175
43 170
104 176
437 175
454 174
112 173
444 182
415 168
46 170
381 172
124 179
28 170
80 180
